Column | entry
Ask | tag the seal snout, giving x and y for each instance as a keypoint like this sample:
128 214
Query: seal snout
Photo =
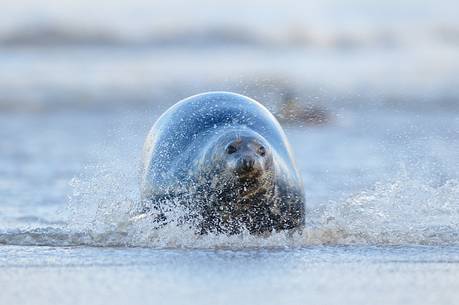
246 156
246 163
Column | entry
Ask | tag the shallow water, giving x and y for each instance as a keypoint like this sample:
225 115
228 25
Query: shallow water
316 275
382 217
369 179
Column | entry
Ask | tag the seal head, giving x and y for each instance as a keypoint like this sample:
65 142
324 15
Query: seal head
244 155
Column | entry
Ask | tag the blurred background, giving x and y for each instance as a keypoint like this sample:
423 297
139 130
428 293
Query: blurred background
60 55
365 89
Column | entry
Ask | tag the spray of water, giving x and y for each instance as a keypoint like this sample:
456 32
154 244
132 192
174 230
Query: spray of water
103 211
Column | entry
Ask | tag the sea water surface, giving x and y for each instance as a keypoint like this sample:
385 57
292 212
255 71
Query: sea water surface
382 217
381 174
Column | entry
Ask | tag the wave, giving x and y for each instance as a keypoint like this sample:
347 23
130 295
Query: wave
280 95
56 35
64 37
402 212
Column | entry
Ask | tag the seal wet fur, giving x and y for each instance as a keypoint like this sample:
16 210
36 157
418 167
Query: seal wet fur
223 159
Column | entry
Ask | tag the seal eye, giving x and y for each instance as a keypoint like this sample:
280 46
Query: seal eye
262 151
231 149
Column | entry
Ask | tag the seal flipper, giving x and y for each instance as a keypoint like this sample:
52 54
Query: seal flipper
291 207
152 208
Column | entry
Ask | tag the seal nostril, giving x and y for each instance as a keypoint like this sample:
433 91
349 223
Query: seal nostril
231 149
262 151
248 163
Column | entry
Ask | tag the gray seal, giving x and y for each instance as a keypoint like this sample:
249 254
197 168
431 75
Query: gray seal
225 160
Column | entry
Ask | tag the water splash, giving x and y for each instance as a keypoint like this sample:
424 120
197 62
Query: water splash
403 211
